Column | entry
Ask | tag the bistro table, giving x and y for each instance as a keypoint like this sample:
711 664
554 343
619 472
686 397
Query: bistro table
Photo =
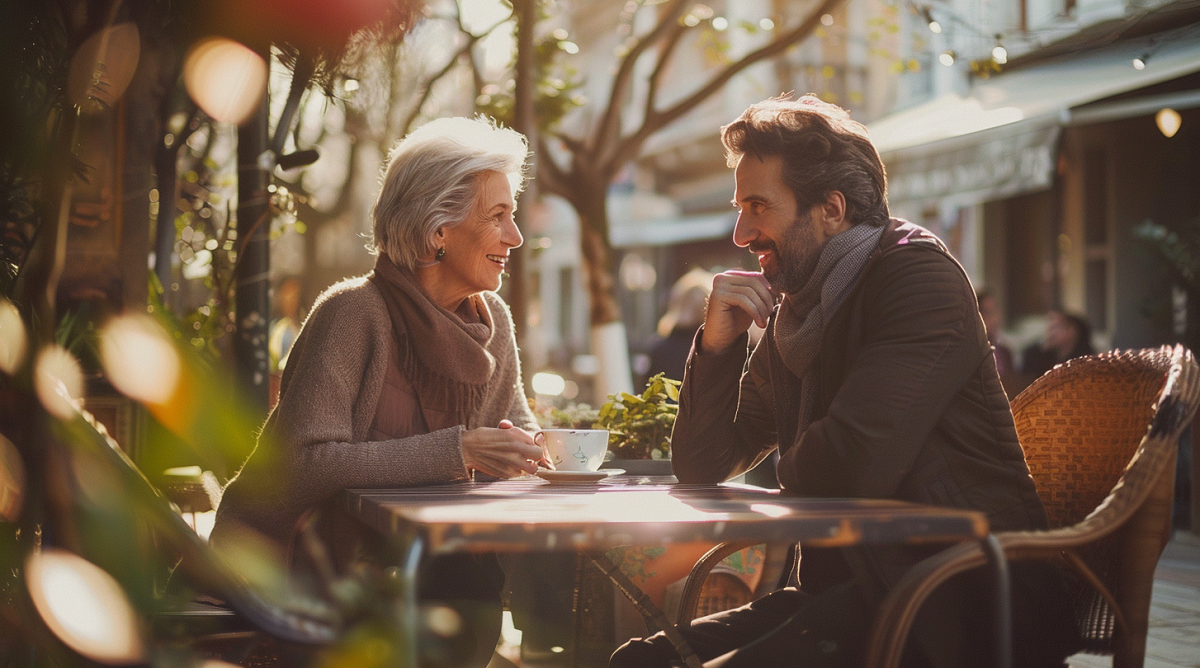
530 514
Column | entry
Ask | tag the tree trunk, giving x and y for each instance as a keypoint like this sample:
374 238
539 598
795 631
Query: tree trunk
252 273
608 339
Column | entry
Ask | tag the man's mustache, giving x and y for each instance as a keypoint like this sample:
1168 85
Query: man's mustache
760 246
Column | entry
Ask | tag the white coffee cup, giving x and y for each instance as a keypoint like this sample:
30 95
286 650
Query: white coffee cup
574 449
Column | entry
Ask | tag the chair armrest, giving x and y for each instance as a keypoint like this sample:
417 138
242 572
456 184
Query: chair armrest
690 598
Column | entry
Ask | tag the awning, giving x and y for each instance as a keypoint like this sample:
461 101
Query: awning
1000 138
671 231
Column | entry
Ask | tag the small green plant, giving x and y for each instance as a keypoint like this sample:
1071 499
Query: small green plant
570 416
640 426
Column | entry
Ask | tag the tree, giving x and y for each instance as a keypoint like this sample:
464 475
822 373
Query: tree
388 88
593 155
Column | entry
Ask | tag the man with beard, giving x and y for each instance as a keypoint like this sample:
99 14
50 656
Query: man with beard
874 380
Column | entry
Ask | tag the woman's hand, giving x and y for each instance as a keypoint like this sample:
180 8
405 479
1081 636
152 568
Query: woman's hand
504 452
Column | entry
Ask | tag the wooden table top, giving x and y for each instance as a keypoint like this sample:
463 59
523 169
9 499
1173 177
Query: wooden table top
530 514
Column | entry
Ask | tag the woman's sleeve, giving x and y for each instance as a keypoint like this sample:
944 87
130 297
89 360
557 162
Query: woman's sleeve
336 372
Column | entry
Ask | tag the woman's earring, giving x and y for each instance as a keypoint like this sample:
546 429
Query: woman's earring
441 253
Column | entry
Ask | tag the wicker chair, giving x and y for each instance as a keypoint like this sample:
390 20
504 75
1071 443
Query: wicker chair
1100 436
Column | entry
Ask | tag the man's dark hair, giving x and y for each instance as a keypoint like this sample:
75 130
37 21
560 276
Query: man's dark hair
822 150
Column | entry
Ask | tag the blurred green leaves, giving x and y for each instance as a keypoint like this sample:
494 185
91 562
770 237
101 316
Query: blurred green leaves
640 425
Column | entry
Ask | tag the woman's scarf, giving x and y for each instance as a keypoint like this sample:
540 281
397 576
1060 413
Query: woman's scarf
803 316
442 355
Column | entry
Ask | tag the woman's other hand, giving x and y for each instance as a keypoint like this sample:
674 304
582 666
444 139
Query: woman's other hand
503 452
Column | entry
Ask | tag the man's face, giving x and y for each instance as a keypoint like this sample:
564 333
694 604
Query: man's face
787 241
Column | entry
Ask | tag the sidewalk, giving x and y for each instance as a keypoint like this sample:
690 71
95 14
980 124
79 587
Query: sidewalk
1174 638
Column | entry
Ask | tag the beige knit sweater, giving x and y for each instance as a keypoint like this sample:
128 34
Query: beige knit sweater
315 442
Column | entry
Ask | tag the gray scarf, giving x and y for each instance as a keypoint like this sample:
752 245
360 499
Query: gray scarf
803 316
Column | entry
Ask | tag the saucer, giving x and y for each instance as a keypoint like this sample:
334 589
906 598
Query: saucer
576 477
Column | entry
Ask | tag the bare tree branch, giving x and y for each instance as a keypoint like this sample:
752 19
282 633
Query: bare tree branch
610 124
551 177
427 86
630 145
664 58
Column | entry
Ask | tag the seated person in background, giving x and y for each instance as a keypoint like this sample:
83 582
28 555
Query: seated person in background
993 322
874 379
1067 336
408 375
685 314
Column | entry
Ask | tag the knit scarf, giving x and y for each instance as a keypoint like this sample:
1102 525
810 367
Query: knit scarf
803 315
441 354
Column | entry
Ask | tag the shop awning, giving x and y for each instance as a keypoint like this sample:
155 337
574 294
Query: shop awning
671 231
1000 138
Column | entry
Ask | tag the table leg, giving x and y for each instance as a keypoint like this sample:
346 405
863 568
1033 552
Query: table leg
1001 588
409 613
643 604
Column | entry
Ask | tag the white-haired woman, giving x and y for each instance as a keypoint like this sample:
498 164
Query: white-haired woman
409 375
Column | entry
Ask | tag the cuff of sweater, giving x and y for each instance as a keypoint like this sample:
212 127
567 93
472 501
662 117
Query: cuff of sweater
704 372
449 455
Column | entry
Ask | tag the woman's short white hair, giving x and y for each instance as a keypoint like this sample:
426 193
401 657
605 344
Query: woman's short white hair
432 181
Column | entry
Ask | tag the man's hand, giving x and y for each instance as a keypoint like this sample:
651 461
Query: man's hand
738 299
504 452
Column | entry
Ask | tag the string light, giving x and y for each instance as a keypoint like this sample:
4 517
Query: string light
1168 121
999 53
934 26
1140 63
947 58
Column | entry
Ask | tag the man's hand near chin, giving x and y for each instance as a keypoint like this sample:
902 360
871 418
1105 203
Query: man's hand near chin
738 299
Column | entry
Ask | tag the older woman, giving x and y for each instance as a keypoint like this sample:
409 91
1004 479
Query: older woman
409 375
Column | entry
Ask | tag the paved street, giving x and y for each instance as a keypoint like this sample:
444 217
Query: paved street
1174 639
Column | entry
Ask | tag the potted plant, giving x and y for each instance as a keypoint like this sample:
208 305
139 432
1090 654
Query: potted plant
639 427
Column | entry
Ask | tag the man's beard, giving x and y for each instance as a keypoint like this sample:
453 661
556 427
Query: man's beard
795 260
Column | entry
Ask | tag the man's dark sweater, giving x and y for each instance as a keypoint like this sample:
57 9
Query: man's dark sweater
909 406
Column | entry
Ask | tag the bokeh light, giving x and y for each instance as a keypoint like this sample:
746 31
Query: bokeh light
12 481
58 381
103 66
84 606
140 359
13 339
549 384
227 79
1168 121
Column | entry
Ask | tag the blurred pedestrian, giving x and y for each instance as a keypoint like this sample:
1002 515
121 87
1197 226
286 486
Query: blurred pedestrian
685 314
993 321
1067 336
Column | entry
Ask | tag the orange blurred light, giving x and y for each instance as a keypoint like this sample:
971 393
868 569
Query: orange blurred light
140 358
12 481
13 339
103 66
225 78
58 381
84 606
1168 121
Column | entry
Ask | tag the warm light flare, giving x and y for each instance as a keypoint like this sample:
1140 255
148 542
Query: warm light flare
84 606
58 381
770 509
1168 121
549 384
13 339
225 78
12 481
103 66
140 359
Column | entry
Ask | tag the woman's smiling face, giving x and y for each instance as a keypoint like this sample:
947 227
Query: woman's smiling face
477 250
